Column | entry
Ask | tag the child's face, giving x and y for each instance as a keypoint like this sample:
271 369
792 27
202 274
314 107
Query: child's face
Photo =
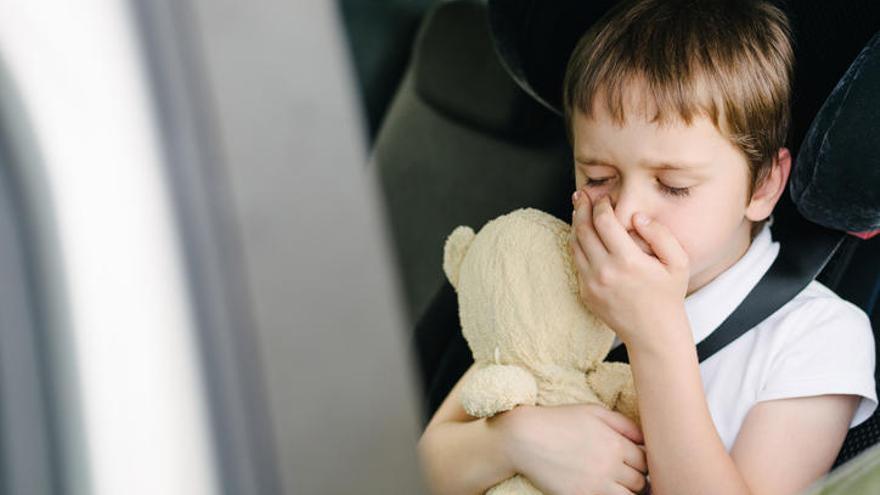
689 178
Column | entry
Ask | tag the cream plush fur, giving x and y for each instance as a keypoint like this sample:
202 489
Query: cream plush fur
532 339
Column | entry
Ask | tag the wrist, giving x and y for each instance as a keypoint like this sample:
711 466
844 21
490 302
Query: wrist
668 335
507 431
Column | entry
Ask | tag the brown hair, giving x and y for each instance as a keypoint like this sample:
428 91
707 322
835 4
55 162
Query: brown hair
728 60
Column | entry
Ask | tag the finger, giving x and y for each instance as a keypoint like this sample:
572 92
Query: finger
582 225
630 479
661 240
612 234
634 457
582 199
577 252
621 424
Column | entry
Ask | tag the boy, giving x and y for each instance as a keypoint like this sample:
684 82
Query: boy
678 113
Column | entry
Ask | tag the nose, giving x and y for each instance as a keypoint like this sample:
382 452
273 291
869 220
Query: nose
626 201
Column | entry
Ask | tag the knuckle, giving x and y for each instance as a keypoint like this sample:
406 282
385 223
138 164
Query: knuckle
608 467
605 276
618 446
582 229
596 414
602 219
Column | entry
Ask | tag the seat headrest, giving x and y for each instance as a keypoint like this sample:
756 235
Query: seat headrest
457 72
836 180
536 37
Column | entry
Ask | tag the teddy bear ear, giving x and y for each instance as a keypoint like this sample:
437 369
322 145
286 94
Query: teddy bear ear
456 247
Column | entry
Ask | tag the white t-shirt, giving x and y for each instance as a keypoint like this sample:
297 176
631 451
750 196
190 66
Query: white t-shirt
816 344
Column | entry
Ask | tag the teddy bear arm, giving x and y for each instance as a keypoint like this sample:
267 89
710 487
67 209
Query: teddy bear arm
613 384
496 388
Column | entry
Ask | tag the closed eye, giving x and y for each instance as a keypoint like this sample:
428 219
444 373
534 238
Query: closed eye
678 192
596 182
674 191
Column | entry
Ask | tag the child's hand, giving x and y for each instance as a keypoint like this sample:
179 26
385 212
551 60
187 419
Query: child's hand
576 449
626 287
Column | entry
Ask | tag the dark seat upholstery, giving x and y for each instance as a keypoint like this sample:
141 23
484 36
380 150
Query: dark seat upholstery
855 275
461 144
837 185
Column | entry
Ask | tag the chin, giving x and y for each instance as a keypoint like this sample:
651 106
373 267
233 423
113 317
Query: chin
707 273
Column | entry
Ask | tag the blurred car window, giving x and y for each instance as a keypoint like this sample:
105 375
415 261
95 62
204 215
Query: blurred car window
27 439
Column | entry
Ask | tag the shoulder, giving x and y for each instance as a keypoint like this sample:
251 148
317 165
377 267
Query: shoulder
819 309
821 327
820 343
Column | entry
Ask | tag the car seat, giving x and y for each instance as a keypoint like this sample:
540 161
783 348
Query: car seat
461 144
828 40
837 184
380 35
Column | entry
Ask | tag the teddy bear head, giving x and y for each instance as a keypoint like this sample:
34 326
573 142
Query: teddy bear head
518 293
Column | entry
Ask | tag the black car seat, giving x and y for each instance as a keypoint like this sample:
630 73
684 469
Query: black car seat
380 36
461 144
824 52
837 185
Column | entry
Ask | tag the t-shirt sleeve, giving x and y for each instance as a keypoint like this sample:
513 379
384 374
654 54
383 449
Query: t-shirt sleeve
827 348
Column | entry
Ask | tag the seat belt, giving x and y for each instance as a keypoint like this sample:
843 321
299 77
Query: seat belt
794 268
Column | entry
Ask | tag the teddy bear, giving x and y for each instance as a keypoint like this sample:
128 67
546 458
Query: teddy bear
533 340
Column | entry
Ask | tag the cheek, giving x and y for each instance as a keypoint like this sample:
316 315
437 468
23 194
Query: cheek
692 226
703 231
680 224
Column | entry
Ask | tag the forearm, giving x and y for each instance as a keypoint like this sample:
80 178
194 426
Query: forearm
685 454
464 457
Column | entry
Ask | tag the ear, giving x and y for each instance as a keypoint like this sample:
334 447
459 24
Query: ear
456 247
768 192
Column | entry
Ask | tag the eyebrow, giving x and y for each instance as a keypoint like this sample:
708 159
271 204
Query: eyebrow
586 160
